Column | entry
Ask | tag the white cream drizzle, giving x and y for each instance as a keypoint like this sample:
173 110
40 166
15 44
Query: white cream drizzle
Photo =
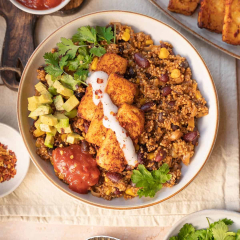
110 111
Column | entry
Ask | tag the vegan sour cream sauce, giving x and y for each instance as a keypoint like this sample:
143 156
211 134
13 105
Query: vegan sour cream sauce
99 81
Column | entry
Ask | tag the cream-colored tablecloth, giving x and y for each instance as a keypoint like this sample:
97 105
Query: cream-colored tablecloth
217 185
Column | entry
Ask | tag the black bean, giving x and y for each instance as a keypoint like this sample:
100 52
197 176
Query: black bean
148 75
120 49
166 91
147 106
113 176
189 137
49 151
184 64
79 95
84 146
161 155
141 61
164 78
140 157
130 73
174 127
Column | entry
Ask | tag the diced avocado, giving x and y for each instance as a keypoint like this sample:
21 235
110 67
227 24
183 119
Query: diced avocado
49 120
51 79
64 130
71 114
49 140
53 91
63 121
62 90
38 133
70 104
37 124
45 98
33 103
41 110
46 128
32 117
58 102
73 138
40 87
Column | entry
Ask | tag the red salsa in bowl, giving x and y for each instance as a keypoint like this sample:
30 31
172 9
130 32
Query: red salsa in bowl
40 4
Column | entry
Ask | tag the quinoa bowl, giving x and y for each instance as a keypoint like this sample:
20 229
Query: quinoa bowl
151 78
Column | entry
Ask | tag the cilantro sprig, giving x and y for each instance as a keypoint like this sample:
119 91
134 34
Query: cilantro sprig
150 182
217 231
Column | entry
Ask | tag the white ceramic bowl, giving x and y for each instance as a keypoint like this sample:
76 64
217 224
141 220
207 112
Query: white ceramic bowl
40 12
12 139
159 31
199 221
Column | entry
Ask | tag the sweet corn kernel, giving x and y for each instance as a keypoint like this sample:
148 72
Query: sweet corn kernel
191 123
130 192
198 95
94 63
138 81
38 133
164 53
137 147
150 156
64 137
175 73
106 179
108 192
142 101
127 30
126 36
149 42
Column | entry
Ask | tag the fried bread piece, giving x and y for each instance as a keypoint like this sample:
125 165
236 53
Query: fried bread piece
231 26
86 108
132 119
112 63
97 132
211 15
110 156
120 90
186 7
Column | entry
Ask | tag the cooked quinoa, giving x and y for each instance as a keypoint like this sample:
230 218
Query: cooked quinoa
171 103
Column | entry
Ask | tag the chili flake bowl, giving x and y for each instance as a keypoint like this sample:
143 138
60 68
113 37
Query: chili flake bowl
207 126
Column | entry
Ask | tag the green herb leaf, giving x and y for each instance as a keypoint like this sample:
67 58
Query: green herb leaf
87 34
185 231
150 182
51 59
98 51
104 33
238 235
66 46
173 238
63 62
81 75
73 64
220 230
69 81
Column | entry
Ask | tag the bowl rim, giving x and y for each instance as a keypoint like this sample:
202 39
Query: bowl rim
40 12
79 198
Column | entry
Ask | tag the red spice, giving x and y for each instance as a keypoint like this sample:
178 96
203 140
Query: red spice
99 80
99 91
40 4
7 163
106 118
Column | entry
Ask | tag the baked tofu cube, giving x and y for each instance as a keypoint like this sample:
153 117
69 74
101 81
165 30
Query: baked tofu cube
86 108
120 90
231 26
132 119
97 132
186 7
211 15
110 156
112 63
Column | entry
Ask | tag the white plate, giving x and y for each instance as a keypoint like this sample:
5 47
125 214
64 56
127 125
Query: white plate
199 221
190 24
12 139
159 31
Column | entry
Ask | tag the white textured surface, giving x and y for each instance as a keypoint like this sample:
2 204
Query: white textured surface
217 186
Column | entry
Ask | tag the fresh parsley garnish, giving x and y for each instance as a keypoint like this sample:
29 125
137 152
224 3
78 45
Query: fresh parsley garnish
53 68
216 231
150 182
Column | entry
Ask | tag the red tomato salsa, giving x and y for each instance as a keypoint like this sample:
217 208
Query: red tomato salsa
40 4
76 167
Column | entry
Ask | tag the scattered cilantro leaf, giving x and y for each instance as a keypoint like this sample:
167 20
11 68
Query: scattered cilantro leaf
70 82
87 34
63 62
105 33
173 238
66 46
81 75
150 182
220 230
238 235
51 59
185 231
73 64
98 51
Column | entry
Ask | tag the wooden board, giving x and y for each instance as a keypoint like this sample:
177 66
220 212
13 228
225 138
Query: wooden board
19 39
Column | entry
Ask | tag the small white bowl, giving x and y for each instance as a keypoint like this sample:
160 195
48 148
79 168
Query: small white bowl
40 12
12 139
199 220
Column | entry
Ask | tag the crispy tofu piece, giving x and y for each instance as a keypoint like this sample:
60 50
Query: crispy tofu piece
132 119
186 7
211 15
86 108
110 156
231 26
97 132
120 90
112 63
